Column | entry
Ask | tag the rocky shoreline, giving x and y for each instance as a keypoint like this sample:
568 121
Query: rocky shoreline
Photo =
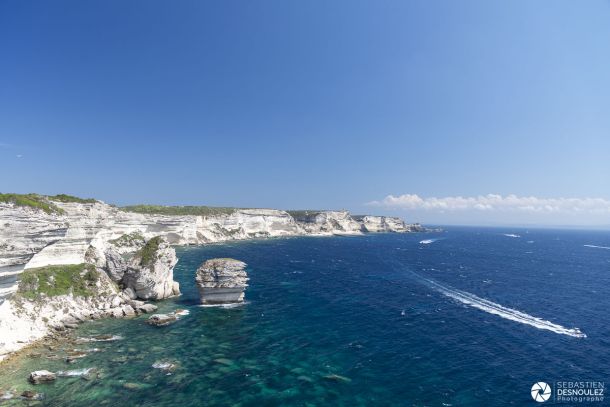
89 260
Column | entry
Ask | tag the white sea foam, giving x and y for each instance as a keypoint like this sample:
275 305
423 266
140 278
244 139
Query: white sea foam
427 241
74 373
182 312
510 235
597 247
99 339
502 311
235 305
163 365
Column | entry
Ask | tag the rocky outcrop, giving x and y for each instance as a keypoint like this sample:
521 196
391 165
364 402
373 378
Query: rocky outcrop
42 376
39 307
150 273
96 232
114 241
385 224
221 281
115 266
162 319
328 223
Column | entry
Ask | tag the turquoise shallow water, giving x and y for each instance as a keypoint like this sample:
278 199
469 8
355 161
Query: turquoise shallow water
356 321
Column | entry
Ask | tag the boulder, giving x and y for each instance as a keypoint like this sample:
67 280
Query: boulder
115 301
70 322
147 308
128 311
176 288
151 271
42 376
162 319
130 293
30 395
221 281
115 265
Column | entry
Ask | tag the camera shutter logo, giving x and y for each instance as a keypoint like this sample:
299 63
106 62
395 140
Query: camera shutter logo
541 392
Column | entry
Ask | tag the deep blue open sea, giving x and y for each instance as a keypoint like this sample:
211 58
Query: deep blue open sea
470 317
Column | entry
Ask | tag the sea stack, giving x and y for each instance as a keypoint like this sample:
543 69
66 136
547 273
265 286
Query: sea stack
221 281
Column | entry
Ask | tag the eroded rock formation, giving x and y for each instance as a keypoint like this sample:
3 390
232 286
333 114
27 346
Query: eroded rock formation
132 256
221 281
150 273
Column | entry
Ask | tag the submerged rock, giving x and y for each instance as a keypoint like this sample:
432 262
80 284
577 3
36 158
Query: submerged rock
74 356
84 373
165 366
6 395
162 319
99 338
31 395
222 281
42 376
337 378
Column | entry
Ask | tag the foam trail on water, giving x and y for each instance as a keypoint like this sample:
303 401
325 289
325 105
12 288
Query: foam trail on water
430 241
502 311
596 247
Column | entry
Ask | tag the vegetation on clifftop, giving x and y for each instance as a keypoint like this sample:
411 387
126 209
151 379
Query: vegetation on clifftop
71 198
303 214
129 240
32 201
51 281
180 210
148 253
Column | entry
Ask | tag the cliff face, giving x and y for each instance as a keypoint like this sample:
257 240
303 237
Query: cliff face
130 253
387 224
31 238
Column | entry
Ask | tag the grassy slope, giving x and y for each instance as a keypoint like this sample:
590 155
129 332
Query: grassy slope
149 252
70 198
51 281
179 210
32 201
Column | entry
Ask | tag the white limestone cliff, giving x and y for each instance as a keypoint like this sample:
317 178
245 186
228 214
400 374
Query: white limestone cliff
221 281
387 224
110 239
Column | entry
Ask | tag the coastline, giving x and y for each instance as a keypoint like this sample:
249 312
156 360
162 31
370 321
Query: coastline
96 233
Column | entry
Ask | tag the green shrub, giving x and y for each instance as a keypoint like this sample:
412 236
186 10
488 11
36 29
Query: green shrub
51 281
70 198
148 253
303 214
31 200
129 239
180 210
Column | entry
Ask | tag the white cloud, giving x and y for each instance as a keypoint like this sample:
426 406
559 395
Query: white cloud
497 203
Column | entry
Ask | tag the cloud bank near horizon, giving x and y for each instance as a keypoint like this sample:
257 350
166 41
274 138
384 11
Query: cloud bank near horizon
493 203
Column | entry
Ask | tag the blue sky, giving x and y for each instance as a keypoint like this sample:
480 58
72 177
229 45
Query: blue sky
311 104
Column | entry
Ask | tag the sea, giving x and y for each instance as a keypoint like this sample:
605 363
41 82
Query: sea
458 317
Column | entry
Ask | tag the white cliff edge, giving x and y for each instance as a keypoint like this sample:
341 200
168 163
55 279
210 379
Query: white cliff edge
113 241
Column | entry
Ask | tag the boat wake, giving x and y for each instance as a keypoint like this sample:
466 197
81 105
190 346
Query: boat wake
597 247
502 311
428 241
